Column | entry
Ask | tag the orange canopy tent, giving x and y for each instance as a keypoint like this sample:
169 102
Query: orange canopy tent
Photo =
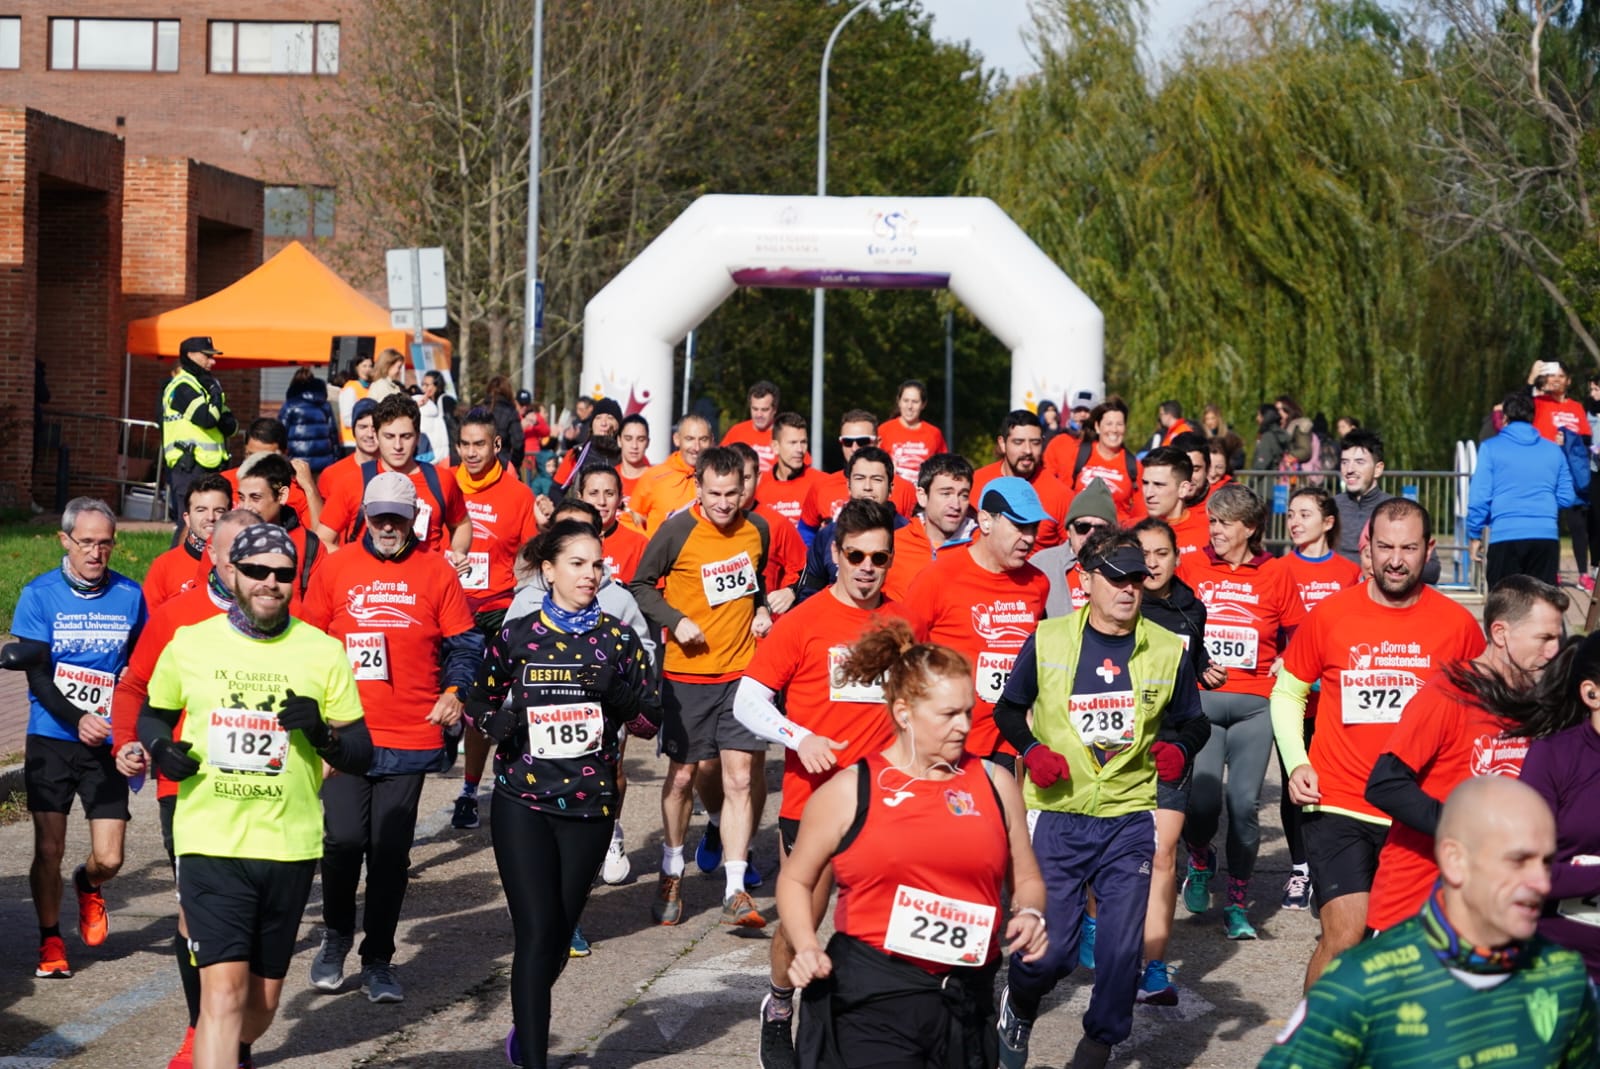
287 311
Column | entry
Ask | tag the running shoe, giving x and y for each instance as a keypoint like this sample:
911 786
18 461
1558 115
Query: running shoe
616 867
740 911
777 1038
1091 1054
1587 582
513 1051
1237 923
708 855
1197 883
380 983
580 945
752 877
1086 932
1157 988
668 906
466 814
94 923
53 959
1297 891
327 968
184 1059
1014 1032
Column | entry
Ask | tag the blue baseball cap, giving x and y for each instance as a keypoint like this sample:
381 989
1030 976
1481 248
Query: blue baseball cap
1015 499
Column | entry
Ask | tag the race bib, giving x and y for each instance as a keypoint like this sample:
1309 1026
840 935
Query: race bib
934 928
565 730
477 577
88 689
245 740
839 690
993 671
728 580
1375 696
1232 647
369 654
419 526
1105 721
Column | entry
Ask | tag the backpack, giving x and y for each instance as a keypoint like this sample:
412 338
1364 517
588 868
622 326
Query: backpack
369 470
1082 461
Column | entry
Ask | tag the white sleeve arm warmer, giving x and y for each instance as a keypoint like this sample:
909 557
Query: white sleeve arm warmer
753 707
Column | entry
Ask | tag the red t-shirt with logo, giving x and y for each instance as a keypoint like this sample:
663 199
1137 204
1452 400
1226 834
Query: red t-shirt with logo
788 497
434 521
392 616
786 553
1445 739
1062 453
297 496
1319 578
801 657
623 547
1550 416
829 493
986 616
1055 498
502 522
1373 661
909 446
1248 607
172 573
760 441
1193 531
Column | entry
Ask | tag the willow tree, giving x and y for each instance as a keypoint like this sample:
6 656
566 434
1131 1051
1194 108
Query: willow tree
1242 223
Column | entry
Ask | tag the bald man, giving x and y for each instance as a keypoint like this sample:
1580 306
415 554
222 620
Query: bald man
1467 981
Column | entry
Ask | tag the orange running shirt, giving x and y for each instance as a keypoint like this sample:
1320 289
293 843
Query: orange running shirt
502 522
1193 531
800 658
1372 661
1445 739
661 491
1055 498
987 617
1062 454
1247 607
909 447
392 616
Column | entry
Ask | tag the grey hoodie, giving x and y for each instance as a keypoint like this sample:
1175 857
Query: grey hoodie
614 600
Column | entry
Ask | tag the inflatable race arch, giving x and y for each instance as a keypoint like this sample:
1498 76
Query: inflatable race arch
966 244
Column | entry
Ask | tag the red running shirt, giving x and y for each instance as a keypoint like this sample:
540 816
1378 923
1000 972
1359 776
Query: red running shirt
1551 416
1055 498
987 617
502 523
1445 739
909 447
1247 608
929 864
1373 661
760 441
800 658
829 493
172 573
788 497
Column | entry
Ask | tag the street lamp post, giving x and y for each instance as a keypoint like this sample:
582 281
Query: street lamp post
817 324
530 298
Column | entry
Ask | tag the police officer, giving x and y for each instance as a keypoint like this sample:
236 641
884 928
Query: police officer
195 421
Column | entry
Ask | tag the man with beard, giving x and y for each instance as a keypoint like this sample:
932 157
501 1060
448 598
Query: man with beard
414 645
1372 646
272 698
1020 445
1454 730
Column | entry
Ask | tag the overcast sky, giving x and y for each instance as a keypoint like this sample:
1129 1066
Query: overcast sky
993 26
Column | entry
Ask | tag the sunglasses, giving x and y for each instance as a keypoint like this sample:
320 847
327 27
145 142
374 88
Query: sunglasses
880 558
1085 527
859 441
261 571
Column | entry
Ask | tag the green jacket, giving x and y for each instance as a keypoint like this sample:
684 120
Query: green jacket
1127 782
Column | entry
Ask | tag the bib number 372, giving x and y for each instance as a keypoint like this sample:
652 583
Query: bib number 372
939 929
1375 696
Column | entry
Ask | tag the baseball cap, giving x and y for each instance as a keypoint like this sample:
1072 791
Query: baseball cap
1082 398
390 494
1011 496
1123 562
524 397
198 345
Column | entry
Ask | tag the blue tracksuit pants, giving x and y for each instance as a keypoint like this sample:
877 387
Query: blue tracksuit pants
1113 854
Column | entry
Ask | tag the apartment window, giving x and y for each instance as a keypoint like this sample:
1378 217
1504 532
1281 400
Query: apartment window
274 48
113 44
299 212
10 43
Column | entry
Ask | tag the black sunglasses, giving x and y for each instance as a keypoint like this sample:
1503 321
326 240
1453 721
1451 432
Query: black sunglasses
261 571
858 441
880 557
1084 527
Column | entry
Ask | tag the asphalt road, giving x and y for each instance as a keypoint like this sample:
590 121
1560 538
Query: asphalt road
682 996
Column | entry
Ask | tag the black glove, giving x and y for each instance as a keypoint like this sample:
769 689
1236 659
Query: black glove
227 424
172 759
304 715
606 683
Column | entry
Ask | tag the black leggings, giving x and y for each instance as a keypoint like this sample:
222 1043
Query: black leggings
1288 812
547 865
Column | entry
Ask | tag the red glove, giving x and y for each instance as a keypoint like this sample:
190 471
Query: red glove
1169 760
1045 766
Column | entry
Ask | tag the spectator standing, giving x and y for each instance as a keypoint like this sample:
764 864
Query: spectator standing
1271 440
507 423
390 369
352 391
433 427
195 421
1521 483
308 418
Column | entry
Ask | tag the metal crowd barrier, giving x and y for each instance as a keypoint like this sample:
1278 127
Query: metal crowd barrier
119 457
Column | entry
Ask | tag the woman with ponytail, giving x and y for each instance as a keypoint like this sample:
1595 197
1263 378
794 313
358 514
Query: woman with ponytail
921 838
555 691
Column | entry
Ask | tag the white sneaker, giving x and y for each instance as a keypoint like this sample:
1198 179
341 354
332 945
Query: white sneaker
616 867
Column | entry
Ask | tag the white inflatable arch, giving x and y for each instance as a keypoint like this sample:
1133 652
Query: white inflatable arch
631 327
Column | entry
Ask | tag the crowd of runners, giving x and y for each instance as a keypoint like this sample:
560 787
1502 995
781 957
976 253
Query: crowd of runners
1015 703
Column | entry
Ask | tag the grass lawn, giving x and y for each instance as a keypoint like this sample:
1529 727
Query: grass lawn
27 549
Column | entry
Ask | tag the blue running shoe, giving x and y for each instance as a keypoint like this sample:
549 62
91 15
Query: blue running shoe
752 877
580 945
1156 988
1086 942
708 855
